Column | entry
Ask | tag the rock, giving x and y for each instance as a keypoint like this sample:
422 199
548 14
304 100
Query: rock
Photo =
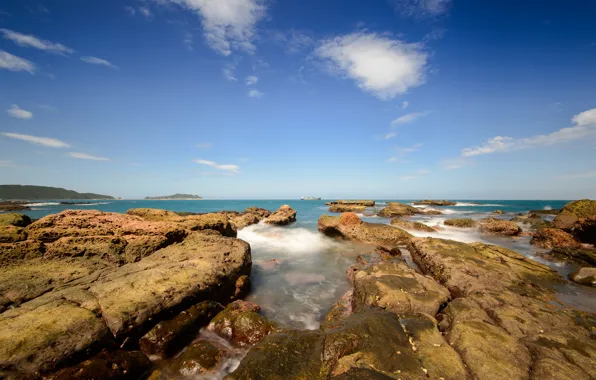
339 208
64 307
581 255
461 223
395 209
435 203
118 365
243 285
269 264
377 341
554 238
365 203
349 226
200 358
533 220
409 225
284 215
544 212
245 220
23 250
341 310
584 276
579 219
502 320
394 287
12 234
211 221
432 212
260 212
13 206
498 212
241 324
169 336
499 227
13 219
108 248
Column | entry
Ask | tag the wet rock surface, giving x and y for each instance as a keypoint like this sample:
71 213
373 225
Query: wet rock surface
554 238
396 209
349 226
461 223
120 365
339 208
284 215
584 276
410 225
579 219
499 227
200 358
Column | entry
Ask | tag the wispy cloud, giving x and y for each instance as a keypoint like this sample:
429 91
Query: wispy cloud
421 8
294 41
228 72
225 167
34 42
417 174
204 145
408 118
228 24
145 11
85 156
380 65
14 63
404 104
456 163
19 113
255 94
44 141
584 126
250 80
98 61
389 135
402 151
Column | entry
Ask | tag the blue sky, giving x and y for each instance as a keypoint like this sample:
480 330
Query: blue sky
280 99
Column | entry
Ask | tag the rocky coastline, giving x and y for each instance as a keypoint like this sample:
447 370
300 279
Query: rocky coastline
91 294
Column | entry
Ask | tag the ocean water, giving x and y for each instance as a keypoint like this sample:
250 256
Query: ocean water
298 273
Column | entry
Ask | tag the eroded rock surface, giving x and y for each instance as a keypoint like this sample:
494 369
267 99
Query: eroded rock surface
554 238
365 203
410 225
349 226
579 219
396 209
284 215
435 203
584 276
461 223
499 227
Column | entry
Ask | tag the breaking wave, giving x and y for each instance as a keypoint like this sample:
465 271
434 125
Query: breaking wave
43 204
468 204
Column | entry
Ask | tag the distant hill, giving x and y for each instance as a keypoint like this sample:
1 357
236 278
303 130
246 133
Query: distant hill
44 192
175 197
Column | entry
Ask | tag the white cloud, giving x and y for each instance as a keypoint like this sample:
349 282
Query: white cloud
228 72
145 12
422 8
250 80
255 94
44 141
293 41
382 66
389 135
404 104
34 42
19 113
188 41
225 167
584 127
408 118
85 156
14 63
98 61
204 145
228 24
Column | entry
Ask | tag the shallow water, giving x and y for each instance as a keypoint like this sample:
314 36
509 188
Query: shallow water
298 273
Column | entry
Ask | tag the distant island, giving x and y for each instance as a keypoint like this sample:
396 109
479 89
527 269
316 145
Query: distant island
27 192
310 198
178 197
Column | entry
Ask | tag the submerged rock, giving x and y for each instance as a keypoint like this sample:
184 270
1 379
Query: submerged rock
584 276
118 365
435 203
200 358
349 226
241 324
533 220
554 238
284 215
499 227
409 225
169 336
395 209
461 223
579 219
377 341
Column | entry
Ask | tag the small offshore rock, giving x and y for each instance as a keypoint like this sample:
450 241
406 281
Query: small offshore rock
584 276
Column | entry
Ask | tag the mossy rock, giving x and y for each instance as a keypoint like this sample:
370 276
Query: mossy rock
14 219
12 234
199 358
409 225
461 223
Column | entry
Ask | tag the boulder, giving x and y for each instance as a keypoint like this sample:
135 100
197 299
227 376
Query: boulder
395 209
199 359
63 307
498 212
12 234
339 208
244 220
169 336
260 212
502 320
554 238
241 324
428 202
364 203
349 226
393 286
579 219
461 223
533 220
410 347
409 225
284 215
118 365
13 219
499 227
584 276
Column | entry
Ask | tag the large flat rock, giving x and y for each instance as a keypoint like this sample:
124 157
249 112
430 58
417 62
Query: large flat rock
349 226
